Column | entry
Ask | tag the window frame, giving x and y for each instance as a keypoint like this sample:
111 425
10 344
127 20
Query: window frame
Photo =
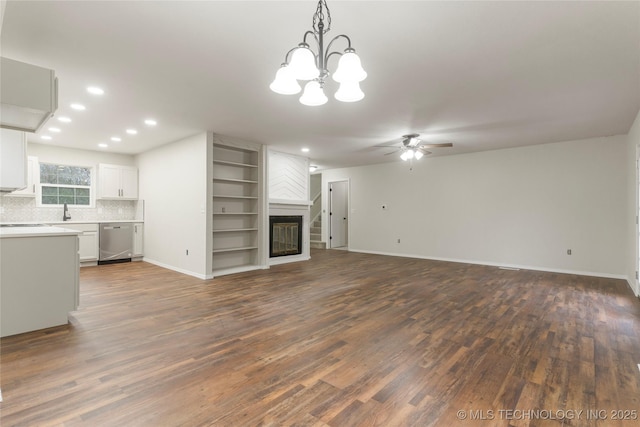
92 187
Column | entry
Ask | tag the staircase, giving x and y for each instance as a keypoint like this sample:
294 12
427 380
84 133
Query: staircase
315 239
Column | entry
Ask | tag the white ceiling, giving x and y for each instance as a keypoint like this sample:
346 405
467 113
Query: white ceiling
483 75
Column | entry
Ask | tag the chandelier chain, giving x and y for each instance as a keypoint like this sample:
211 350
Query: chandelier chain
320 17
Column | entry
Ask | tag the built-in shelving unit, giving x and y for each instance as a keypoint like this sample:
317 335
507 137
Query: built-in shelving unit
237 208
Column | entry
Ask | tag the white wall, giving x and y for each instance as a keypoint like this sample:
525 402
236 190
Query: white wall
75 157
517 207
173 184
633 140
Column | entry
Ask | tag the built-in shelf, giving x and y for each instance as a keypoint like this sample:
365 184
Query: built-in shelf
224 196
242 181
235 229
224 162
245 248
237 209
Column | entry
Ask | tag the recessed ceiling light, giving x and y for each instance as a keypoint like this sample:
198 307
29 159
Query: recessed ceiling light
305 150
132 131
64 119
313 168
116 139
78 107
95 90
102 145
56 130
150 122
47 137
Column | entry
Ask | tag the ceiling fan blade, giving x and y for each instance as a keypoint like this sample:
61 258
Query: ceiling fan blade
423 151
444 144
393 152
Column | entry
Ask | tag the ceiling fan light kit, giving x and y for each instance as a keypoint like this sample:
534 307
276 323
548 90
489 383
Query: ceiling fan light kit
414 148
302 63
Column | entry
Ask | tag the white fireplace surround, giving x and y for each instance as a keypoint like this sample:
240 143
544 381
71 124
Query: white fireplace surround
288 178
289 208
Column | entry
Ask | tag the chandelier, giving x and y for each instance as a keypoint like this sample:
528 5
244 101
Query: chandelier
302 63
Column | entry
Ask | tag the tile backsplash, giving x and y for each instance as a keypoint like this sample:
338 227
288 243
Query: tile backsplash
24 209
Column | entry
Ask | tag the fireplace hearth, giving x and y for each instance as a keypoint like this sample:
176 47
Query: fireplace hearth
285 236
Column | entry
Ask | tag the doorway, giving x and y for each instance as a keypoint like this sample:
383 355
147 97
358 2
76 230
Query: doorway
338 214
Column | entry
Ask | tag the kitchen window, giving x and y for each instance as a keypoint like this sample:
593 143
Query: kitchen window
62 184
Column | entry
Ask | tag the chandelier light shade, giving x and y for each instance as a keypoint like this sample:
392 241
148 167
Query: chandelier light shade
302 63
285 83
313 94
349 68
349 92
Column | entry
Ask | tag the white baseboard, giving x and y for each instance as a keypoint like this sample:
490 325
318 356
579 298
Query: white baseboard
493 264
176 269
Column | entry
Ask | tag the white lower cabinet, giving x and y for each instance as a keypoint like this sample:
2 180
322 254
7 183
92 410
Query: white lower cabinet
138 239
88 241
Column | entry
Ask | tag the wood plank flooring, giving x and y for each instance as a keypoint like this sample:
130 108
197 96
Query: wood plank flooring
345 339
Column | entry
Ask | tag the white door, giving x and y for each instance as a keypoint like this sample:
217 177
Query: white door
338 218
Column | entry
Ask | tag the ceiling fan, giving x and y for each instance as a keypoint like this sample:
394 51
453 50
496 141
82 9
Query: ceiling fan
414 148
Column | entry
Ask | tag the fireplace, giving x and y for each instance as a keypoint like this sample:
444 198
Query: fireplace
285 235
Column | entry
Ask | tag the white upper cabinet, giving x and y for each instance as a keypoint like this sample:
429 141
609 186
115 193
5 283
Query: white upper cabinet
13 160
33 178
117 182
29 95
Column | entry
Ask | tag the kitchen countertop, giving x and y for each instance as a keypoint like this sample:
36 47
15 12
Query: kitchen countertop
100 221
97 221
44 231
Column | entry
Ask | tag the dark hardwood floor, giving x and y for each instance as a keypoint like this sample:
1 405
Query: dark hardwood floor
345 339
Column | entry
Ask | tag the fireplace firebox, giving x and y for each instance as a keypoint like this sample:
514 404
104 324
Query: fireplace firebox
285 235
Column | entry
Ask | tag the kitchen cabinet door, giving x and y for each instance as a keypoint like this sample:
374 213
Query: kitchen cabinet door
138 239
109 181
33 178
88 246
13 160
129 183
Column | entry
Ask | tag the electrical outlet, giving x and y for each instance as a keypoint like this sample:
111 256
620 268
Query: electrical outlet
568 251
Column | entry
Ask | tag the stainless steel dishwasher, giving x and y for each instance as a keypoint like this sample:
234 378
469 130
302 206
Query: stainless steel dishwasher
116 242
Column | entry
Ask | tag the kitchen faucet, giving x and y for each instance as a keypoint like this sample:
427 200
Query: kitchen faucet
65 214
